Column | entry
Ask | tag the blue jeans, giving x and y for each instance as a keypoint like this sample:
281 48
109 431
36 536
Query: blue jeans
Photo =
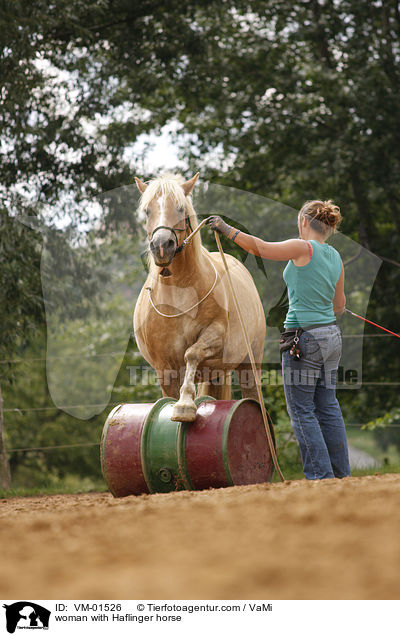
315 415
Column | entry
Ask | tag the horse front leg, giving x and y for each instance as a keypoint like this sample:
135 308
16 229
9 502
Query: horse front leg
209 345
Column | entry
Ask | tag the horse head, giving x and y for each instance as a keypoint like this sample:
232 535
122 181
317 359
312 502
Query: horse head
165 201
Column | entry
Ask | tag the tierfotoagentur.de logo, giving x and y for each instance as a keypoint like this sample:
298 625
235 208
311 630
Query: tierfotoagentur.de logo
26 615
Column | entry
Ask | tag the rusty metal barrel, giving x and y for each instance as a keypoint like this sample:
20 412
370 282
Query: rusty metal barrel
144 451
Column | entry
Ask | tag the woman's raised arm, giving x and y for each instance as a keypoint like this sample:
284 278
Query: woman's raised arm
276 251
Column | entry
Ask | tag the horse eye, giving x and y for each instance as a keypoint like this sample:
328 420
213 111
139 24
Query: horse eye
181 209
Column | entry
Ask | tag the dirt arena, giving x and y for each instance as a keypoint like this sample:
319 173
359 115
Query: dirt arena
334 539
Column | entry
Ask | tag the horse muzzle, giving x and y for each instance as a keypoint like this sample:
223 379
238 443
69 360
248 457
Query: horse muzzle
163 247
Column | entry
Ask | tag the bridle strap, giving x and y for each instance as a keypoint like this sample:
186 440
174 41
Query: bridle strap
166 227
180 247
183 244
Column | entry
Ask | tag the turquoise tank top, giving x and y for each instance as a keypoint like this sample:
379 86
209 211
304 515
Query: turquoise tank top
311 288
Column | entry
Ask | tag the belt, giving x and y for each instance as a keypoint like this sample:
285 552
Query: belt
326 324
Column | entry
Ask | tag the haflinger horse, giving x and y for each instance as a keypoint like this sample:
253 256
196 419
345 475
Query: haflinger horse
185 322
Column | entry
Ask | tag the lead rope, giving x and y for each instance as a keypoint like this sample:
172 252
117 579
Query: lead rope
181 313
252 362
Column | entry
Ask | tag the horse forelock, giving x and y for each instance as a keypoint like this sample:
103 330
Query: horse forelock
168 185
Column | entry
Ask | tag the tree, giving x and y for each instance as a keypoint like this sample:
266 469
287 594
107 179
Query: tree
21 305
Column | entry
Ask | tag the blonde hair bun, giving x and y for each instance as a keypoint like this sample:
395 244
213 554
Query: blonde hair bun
323 215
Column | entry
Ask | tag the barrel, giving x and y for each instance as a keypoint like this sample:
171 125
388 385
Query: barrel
144 451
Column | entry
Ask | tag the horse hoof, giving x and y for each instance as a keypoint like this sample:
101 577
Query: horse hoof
182 413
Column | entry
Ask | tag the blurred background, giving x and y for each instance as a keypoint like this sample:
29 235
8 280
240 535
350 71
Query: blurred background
286 101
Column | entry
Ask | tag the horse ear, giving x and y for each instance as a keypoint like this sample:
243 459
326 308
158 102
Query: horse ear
141 186
189 185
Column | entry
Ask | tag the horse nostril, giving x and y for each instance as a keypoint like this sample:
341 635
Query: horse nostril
151 245
171 243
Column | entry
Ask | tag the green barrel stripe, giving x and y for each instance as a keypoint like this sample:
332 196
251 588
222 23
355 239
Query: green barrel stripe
162 459
164 450
146 445
204 398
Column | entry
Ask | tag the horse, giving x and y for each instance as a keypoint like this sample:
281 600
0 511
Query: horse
185 322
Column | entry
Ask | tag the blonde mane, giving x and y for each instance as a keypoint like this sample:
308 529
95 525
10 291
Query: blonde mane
170 185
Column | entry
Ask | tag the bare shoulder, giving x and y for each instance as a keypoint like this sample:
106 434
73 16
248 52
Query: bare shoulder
299 243
302 251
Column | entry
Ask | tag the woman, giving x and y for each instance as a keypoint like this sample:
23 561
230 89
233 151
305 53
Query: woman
314 277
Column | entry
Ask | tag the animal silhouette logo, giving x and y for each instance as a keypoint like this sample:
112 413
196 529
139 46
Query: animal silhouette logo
26 615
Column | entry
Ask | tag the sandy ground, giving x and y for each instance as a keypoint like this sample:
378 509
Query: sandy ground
333 539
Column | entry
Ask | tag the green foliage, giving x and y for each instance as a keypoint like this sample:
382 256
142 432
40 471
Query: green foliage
392 418
32 421
287 450
21 303
386 429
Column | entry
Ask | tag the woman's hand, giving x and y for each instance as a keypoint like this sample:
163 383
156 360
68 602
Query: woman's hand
217 224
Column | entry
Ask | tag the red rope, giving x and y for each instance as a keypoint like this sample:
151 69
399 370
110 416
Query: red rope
373 323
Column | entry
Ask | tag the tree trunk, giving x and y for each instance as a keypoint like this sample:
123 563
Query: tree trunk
394 208
366 227
5 474
322 40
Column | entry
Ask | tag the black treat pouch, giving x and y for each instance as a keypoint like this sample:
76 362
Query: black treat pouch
289 341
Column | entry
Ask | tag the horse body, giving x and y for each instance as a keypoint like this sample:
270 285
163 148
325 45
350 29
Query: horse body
199 339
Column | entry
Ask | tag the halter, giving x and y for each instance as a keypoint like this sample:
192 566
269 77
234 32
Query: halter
180 247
